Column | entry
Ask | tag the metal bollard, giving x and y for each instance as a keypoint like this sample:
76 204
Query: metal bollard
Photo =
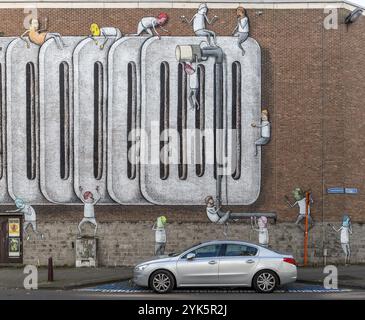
50 269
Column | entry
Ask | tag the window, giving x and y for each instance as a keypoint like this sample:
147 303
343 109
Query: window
237 250
208 251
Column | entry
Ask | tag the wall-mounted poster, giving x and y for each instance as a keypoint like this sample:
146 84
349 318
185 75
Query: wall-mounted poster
14 247
14 227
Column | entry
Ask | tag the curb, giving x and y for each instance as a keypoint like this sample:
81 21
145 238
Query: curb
340 284
81 284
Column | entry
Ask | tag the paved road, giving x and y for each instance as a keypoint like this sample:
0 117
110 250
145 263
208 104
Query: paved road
123 290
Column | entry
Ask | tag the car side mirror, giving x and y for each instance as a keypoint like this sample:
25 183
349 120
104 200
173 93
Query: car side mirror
190 256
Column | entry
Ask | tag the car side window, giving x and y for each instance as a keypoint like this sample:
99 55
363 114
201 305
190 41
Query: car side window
239 250
208 251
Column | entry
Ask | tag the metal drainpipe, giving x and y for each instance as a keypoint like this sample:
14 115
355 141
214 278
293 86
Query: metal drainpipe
194 53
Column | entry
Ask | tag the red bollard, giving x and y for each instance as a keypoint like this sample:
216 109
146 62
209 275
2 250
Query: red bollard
50 269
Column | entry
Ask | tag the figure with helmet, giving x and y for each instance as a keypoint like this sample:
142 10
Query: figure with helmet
199 25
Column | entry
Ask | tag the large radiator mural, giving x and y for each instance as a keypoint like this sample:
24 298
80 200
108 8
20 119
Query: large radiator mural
138 120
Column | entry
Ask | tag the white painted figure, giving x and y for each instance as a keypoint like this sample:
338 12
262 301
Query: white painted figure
242 29
346 230
160 235
217 215
89 201
300 201
30 217
147 24
107 32
193 81
262 230
264 127
40 36
199 26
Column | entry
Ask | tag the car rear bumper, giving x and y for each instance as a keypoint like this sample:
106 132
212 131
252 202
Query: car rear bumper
288 276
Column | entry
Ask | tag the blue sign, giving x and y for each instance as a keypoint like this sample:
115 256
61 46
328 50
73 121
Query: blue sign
351 191
336 190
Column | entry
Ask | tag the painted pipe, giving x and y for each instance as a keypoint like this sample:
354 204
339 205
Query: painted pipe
195 53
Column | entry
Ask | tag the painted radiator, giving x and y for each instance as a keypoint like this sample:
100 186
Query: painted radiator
82 116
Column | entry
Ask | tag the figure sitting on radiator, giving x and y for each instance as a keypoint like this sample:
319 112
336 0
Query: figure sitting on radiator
199 26
30 217
217 215
262 230
147 24
193 81
89 201
242 29
40 36
264 127
106 32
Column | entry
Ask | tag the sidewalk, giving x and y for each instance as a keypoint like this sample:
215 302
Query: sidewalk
68 278
352 276
65 278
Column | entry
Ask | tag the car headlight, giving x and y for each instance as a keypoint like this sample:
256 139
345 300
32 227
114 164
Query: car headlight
141 267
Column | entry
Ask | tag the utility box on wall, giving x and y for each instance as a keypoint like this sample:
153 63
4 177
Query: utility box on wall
86 250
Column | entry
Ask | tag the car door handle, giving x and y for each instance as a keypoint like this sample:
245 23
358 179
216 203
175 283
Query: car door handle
250 261
212 262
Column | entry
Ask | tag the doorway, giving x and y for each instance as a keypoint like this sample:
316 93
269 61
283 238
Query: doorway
11 249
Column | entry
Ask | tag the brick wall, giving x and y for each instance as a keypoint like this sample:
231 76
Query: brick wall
313 85
128 243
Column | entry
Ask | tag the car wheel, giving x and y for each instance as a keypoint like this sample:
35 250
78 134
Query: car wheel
162 281
265 281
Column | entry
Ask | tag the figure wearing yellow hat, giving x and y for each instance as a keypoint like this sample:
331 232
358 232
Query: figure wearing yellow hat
160 235
106 32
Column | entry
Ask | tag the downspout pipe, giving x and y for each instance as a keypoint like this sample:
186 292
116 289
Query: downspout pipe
195 53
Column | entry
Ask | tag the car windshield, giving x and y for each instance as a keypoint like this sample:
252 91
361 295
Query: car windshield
175 254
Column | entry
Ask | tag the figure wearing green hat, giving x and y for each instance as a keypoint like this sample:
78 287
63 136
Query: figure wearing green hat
160 235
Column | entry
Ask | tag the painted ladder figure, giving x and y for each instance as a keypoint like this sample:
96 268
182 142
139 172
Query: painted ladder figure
346 230
199 26
106 32
40 36
300 201
89 201
30 217
217 215
193 80
262 230
147 24
242 29
264 127
160 235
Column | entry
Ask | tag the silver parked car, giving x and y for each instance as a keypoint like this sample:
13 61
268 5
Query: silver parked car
218 264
